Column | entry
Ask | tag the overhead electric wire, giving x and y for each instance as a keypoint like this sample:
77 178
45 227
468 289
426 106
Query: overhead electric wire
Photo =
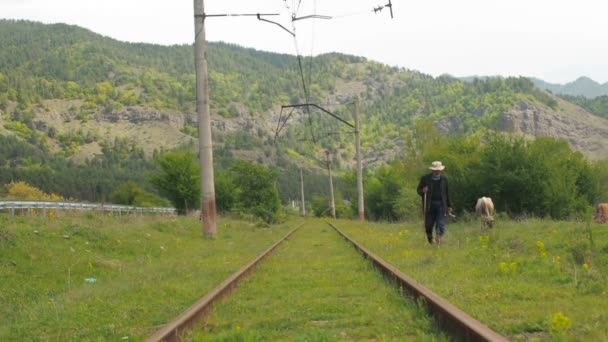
299 3
307 81
312 44
301 69
279 126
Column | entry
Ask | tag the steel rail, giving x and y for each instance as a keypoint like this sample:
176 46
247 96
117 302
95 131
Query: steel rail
174 330
450 318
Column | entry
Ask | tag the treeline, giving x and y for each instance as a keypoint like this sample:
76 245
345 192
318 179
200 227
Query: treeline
540 177
92 180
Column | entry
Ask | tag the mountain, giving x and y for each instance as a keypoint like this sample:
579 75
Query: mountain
84 102
583 86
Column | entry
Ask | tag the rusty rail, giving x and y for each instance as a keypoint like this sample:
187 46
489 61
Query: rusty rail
453 320
173 330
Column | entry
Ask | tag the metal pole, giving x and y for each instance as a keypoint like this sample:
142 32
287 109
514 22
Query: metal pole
332 203
303 210
208 209
359 163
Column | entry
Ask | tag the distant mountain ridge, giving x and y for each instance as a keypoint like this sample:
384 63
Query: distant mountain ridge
583 86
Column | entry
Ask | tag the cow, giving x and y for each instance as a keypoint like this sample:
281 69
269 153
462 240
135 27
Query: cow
601 213
485 209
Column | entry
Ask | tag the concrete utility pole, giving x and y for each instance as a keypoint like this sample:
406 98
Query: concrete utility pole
208 210
332 203
303 210
359 164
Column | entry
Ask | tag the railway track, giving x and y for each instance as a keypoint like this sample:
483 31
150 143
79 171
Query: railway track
454 322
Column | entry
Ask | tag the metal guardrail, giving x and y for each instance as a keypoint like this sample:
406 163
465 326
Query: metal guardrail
13 205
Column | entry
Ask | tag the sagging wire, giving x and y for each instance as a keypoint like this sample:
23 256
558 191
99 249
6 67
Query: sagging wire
306 85
281 26
301 69
308 105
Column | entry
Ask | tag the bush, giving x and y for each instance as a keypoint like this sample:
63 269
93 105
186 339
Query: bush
255 190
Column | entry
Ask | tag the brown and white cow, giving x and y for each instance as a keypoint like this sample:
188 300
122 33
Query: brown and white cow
601 213
485 209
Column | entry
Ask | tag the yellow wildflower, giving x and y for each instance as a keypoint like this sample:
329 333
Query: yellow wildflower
560 323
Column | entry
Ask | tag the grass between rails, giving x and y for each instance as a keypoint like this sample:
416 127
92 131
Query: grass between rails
316 287
142 272
536 280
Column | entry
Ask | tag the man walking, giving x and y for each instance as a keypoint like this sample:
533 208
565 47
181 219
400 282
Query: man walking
436 205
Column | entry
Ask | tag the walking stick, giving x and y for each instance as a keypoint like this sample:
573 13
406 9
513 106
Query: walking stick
424 210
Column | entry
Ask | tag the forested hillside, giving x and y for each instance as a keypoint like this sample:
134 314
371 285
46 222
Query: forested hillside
81 114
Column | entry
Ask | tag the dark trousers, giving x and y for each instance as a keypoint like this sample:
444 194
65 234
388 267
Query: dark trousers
435 216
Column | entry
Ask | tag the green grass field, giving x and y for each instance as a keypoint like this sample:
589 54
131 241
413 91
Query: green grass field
103 278
531 280
146 270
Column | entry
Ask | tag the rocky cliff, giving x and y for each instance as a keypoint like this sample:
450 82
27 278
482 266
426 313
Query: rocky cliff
585 132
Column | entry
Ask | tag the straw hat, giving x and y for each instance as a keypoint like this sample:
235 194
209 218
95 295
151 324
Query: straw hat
436 166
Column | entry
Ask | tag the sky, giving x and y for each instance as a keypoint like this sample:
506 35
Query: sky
554 40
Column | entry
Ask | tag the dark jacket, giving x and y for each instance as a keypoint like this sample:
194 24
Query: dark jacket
443 184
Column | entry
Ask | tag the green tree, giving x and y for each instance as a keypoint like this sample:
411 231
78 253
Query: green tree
256 192
382 193
179 180
320 205
225 189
